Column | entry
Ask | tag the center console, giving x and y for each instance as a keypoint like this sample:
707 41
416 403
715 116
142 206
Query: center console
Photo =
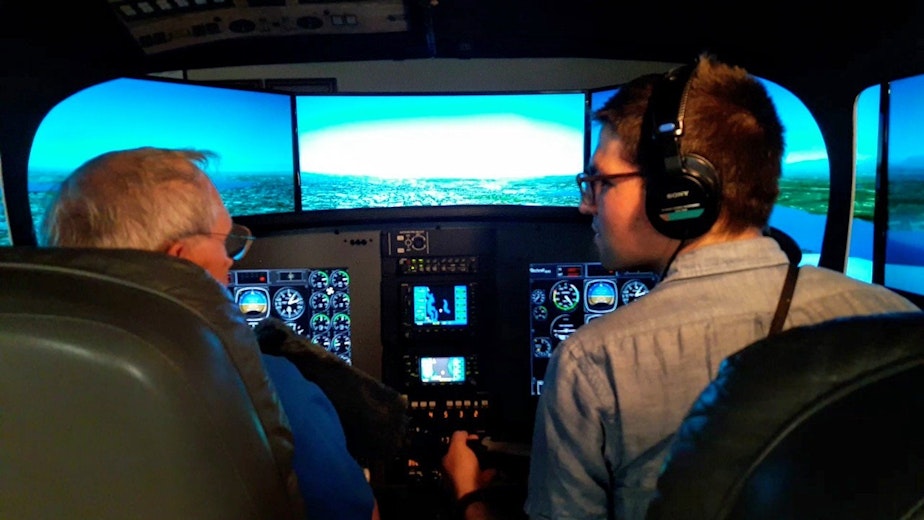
435 335
460 316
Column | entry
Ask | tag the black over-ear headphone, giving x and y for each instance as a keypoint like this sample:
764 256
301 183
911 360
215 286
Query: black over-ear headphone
683 194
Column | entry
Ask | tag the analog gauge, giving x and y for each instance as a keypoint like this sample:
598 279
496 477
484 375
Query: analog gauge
600 295
289 303
296 328
542 347
318 280
342 346
537 296
339 279
540 313
253 302
319 301
340 323
320 324
633 290
562 327
322 340
340 302
565 296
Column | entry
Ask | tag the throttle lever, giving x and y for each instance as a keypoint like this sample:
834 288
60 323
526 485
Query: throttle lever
492 454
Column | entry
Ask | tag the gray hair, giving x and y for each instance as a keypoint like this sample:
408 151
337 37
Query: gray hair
141 198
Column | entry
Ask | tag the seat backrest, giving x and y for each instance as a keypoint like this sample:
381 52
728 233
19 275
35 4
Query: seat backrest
818 422
120 401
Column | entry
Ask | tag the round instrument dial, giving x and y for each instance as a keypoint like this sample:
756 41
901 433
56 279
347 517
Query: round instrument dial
296 328
565 296
322 340
542 347
562 327
289 303
320 324
339 279
342 346
318 280
340 302
340 323
633 290
319 301
254 303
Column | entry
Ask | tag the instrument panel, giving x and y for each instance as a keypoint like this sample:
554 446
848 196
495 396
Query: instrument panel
314 302
459 315
564 296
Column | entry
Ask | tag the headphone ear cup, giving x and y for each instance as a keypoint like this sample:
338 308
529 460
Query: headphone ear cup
684 203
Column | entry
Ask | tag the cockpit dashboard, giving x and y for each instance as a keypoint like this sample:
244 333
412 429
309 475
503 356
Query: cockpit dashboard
460 314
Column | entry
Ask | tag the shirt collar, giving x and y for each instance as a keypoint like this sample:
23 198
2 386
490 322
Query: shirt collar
738 255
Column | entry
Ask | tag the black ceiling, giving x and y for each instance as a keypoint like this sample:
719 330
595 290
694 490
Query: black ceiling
776 39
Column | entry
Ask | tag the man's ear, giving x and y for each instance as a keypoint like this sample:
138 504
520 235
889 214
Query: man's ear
177 248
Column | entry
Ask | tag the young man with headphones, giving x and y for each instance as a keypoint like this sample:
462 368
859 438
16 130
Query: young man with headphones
683 182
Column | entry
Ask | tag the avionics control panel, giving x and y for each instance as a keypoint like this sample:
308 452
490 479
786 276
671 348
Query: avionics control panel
436 332
313 302
438 309
440 370
433 282
564 296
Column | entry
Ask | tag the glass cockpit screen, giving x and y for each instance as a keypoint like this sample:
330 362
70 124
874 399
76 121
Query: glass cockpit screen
442 369
440 305
314 303
564 296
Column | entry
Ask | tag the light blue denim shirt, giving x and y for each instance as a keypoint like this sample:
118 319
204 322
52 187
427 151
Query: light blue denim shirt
622 383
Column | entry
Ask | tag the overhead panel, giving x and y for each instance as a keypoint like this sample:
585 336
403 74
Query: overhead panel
162 25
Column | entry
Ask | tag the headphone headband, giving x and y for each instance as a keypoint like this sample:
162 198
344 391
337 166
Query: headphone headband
666 115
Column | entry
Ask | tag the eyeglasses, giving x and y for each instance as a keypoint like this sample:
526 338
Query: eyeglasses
237 241
588 178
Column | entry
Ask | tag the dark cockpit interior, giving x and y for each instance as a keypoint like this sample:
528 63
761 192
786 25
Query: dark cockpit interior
408 166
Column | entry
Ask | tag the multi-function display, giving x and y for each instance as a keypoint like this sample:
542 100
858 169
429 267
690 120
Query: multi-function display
440 305
442 369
